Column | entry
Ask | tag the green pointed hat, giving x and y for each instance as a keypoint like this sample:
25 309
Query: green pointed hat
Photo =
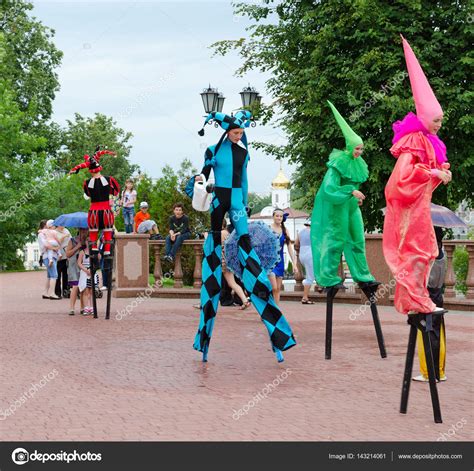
352 139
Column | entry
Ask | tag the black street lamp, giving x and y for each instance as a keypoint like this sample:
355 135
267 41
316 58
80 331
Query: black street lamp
213 100
220 102
210 98
249 96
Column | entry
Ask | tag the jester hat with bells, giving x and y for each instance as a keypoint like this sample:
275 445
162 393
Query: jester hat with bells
240 120
350 167
92 162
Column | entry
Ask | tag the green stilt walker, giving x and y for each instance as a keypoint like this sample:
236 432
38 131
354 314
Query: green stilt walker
336 222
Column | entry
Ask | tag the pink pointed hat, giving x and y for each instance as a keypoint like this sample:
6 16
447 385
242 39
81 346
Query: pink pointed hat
426 104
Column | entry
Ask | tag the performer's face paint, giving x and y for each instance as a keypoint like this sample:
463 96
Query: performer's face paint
357 152
235 135
435 125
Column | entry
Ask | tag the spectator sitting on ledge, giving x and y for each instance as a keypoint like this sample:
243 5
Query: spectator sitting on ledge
143 224
178 233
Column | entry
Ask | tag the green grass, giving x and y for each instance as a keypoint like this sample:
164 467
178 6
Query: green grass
167 282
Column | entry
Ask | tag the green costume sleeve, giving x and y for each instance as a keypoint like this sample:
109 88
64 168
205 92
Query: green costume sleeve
332 189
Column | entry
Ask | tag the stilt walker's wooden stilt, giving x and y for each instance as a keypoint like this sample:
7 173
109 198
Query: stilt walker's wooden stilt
109 267
408 369
93 269
330 295
370 290
432 375
423 322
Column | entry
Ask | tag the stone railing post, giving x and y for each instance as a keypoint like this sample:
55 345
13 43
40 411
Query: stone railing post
158 271
450 278
132 264
178 271
379 268
470 270
197 273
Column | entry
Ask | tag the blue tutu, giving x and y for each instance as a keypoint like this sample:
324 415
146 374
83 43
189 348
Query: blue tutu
265 243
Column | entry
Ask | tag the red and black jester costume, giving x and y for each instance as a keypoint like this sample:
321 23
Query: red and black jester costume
98 188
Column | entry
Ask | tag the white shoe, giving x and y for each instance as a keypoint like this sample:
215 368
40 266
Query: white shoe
420 378
104 288
444 378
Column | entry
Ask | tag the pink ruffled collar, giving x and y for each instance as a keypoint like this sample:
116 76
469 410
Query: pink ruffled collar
410 124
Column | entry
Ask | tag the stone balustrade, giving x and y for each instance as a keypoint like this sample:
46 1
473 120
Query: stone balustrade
133 262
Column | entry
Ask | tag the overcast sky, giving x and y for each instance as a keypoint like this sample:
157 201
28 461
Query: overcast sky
145 63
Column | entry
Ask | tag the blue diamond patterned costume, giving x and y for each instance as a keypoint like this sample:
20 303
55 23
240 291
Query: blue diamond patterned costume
229 163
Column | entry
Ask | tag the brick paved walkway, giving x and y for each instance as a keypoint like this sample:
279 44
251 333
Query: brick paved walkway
140 379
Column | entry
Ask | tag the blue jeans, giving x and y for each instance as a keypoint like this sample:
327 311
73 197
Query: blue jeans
52 271
128 214
173 247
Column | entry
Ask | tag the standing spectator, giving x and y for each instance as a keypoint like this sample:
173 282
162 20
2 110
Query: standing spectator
276 276
46 248
438 335
303 244
75 245
129 196
65 237
178 233
143 223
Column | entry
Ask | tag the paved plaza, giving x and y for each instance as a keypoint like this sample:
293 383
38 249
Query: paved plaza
138 378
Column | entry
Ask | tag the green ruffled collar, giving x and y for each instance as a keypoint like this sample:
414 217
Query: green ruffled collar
355 170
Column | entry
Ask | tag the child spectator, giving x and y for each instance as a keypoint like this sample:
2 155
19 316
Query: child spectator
143 223
85 282
75 245
129 196
51 243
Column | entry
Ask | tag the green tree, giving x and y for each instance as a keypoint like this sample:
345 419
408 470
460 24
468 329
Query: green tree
161 194
83 134
346 51
258 202
31 58
22 161
28 83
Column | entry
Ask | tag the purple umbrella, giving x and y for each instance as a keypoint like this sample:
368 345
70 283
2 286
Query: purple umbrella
442 217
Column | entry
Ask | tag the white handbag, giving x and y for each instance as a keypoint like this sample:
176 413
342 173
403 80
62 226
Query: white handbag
201 198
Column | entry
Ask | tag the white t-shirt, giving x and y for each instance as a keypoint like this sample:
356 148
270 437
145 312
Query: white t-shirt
129 198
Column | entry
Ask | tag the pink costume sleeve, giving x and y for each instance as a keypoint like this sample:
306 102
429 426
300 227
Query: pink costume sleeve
413 170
